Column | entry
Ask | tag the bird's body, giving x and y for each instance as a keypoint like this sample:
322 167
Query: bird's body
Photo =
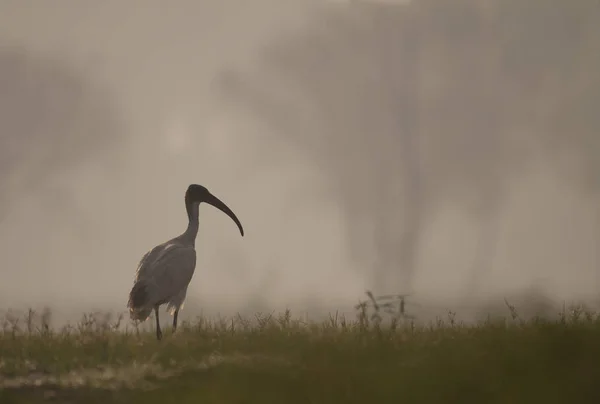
164 273
162 277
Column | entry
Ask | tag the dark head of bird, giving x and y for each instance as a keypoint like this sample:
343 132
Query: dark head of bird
198 194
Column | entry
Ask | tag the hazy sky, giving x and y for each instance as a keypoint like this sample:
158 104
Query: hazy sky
158 65
150 71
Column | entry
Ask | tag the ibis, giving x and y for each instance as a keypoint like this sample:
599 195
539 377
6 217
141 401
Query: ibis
164 273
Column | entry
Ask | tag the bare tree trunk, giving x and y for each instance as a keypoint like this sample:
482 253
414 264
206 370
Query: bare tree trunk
597 250
410 154
485 250
402 166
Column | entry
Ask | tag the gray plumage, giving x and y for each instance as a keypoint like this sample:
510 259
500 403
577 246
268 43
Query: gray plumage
162 278
164 273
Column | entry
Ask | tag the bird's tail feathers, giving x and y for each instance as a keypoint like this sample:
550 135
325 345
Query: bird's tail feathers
139 309
140 314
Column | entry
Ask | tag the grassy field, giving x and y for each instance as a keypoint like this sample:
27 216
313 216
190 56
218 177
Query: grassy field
275 359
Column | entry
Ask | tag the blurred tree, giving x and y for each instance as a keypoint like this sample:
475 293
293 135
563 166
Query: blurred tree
51 119
442 102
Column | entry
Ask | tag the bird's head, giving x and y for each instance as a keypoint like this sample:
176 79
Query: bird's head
196 194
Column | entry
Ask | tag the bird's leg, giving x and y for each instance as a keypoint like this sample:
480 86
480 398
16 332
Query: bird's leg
158 331
175 319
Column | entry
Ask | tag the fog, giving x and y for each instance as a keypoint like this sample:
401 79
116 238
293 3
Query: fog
359 151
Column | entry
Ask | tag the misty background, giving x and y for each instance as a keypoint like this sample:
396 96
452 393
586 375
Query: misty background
448 149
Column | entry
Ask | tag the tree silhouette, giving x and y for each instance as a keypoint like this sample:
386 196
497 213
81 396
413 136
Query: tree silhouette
440 102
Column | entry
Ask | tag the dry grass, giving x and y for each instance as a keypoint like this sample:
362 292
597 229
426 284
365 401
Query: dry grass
277 359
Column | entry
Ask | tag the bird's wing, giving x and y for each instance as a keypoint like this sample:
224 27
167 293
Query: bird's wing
170 271
151 258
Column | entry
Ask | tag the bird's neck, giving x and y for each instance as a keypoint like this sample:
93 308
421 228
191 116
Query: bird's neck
192 229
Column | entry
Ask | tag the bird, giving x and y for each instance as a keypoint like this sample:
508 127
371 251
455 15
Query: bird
164 273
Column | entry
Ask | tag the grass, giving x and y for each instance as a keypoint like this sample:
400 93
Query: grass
276 359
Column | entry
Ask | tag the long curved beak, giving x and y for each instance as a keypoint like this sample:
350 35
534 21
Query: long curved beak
217 203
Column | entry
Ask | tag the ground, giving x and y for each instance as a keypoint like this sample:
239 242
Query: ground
275 359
